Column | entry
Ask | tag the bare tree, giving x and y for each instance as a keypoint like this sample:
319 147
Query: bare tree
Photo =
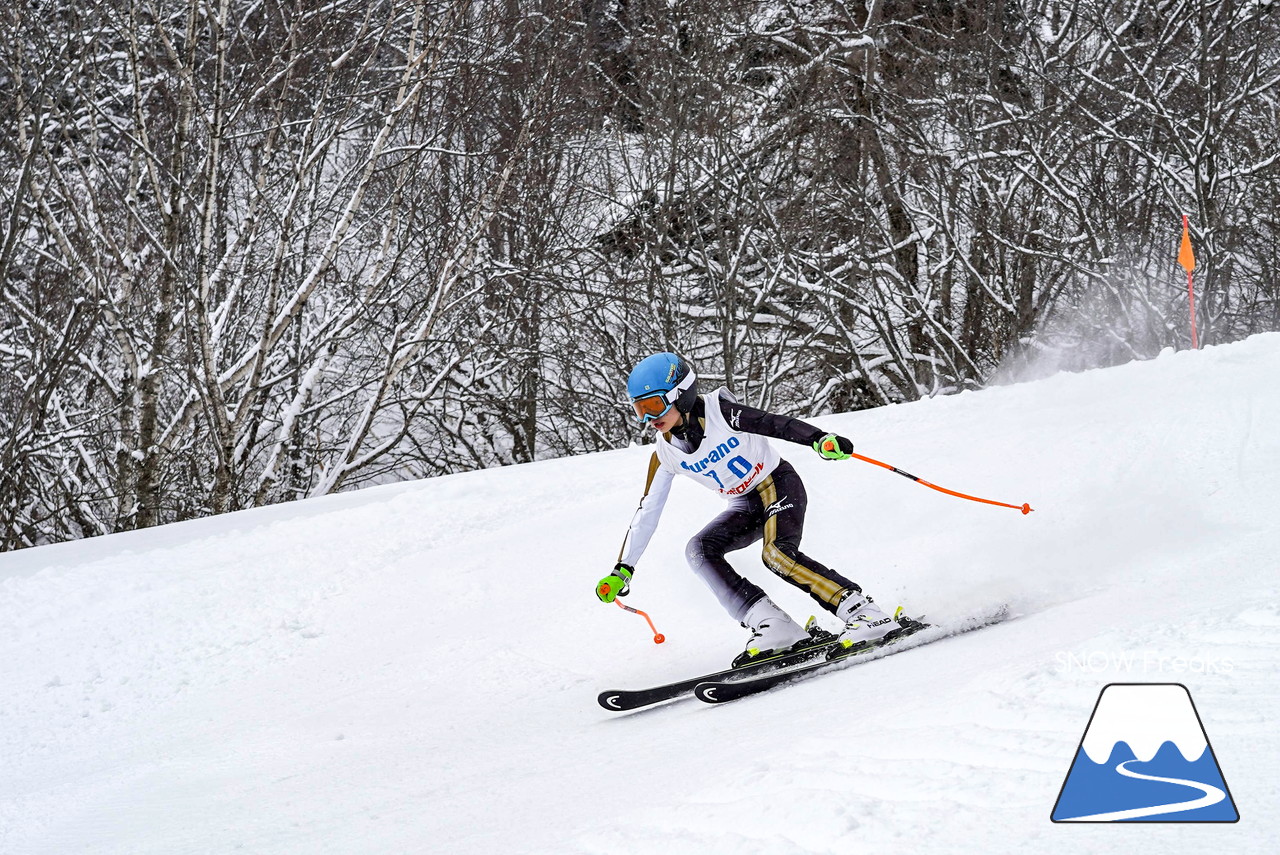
258 251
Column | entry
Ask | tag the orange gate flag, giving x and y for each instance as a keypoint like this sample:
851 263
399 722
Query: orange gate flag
1187 259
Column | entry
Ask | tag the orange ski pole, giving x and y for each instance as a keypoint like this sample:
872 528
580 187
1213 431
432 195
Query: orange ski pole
658 637
1025 508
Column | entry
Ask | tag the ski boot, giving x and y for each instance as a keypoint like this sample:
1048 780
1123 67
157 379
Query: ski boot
773 633
865 624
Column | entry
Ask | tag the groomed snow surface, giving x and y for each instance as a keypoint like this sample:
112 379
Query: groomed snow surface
413 669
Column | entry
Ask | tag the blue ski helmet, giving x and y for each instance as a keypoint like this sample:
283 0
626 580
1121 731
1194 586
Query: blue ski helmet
658 383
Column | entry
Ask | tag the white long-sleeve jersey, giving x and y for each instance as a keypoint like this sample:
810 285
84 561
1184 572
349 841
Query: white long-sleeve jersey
728 461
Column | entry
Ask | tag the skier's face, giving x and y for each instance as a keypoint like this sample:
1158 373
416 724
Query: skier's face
671 419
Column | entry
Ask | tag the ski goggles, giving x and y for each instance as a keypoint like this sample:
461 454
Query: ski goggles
656 405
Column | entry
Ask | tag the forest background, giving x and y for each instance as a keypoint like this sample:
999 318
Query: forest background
253 251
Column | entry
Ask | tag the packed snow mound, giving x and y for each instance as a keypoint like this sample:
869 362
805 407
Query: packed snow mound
414 668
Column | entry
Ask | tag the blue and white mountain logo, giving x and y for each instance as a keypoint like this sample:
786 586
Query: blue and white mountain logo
1145 757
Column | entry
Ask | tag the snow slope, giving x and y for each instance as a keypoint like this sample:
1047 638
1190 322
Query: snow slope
413 669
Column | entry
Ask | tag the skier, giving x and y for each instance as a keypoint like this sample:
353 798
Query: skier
723 445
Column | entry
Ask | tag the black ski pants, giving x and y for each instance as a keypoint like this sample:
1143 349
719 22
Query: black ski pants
772 512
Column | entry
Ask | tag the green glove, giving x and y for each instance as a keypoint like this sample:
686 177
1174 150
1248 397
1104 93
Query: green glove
834 447
617 585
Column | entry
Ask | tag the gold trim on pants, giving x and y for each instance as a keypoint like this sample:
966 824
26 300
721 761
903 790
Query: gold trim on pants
788 568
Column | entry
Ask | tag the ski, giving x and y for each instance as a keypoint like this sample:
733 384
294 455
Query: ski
623 700
724 689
